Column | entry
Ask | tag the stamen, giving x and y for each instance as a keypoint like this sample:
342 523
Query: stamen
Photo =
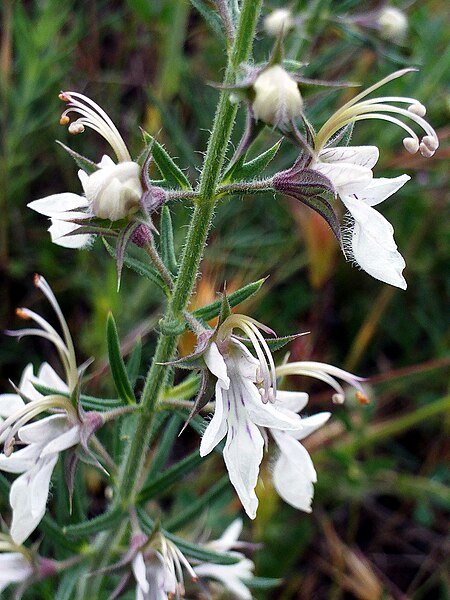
418 109
93 116
362 398
64 120
411 145
22 314
75 128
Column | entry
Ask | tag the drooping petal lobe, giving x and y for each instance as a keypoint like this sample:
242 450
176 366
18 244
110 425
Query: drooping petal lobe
372 244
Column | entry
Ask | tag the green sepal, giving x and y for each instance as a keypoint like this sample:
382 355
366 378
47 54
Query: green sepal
166 165
166 241
117 366
212 310
225 309
140 268
201 553
275 343
134 362
101 523
88 166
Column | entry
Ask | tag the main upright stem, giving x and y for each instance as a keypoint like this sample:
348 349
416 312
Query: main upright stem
130 473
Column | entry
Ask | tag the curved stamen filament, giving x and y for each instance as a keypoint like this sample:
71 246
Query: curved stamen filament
96 118
62 350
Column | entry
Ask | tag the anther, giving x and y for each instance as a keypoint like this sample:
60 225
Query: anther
425 151
338 399
62 96
418 109
411 145
431 142
76 128
64 120
362 398
20 312
36 279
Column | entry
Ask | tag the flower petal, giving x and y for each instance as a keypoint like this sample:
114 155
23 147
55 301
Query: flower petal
14 567
365 156
292 401
310 425
59 230
381 188
265 415
44 430
373 245
9 404
48 376
216 364
230 576
243 453
217 428
294 473
138 567
62 442
58 204
21 460
28 498
346 178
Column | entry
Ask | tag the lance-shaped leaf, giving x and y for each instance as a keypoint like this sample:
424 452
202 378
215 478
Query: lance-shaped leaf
118 370
211 17
88 166
101 523
206 313
134 362
173 175
88 402
140 267
166 241
251 169
274 343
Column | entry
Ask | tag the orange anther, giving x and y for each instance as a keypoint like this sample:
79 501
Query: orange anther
64 120
362 398
22 314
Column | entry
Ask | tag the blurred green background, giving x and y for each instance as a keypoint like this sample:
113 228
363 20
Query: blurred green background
380 513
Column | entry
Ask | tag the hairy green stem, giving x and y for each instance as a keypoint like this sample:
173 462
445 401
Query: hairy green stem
129 476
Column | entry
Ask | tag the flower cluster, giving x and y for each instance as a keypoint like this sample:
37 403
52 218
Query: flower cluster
41 441
248 406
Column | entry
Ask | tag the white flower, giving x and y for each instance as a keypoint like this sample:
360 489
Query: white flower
44 439
239 410
158 572
279 21
393 24
112 192
14 568
230 576
294 473
370 241
277 98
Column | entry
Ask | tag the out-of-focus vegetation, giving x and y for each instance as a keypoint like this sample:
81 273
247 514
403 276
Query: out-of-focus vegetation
380 512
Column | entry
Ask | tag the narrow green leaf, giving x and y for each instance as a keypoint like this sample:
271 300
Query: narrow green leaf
262 583
180 519
165 446
279 342
140 268
118 370
166 165
68 583
212 310
101 523
172 475
255 167
210 16
166 237
88 402
200 552
134 362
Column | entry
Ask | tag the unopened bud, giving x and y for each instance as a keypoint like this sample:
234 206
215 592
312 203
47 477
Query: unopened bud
114 191
142 236
278 22
393 24
277 97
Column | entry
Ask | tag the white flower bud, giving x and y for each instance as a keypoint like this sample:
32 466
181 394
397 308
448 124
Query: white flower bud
114 191
393 24
277 97
279 21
